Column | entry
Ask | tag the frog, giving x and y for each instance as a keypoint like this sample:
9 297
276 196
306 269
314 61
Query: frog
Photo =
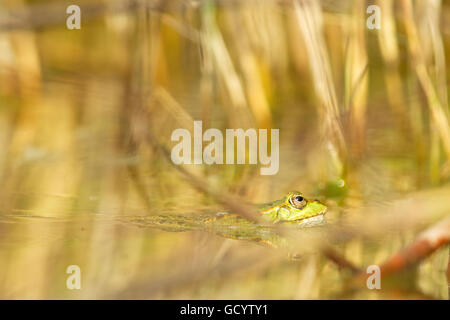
293 209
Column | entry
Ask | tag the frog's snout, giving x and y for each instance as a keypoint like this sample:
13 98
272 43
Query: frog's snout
324 207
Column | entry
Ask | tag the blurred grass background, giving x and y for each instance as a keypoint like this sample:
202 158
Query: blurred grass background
363 118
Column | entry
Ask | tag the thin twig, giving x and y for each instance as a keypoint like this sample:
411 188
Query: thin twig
340 260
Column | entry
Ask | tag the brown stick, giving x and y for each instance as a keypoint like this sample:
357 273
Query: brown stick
427 242
223 197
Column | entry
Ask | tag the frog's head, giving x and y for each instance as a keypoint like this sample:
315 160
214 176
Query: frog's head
296 208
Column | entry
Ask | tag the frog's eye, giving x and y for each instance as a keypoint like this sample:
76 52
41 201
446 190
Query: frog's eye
297 201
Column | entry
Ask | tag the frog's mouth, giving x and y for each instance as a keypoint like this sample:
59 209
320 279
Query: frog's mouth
312 221
318 219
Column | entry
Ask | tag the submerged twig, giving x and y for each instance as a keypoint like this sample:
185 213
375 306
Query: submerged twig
340 260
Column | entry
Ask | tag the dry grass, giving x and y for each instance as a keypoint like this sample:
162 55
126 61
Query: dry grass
87 116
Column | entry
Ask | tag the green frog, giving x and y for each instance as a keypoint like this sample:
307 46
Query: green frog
294 209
